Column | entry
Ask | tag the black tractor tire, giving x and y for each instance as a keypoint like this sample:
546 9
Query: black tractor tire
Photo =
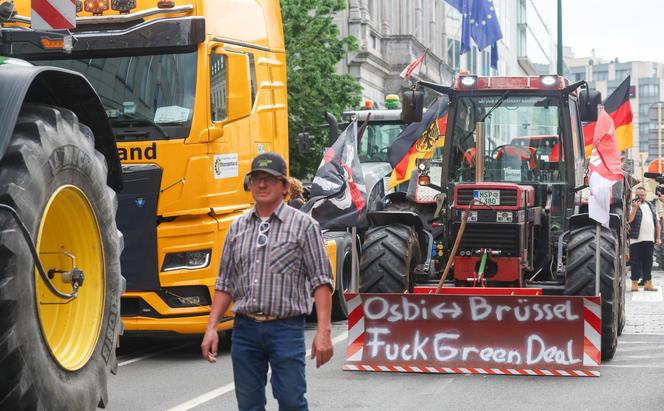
343 275
389 254
581 278
48 151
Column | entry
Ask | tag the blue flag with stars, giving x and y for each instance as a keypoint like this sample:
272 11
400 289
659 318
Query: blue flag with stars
479 23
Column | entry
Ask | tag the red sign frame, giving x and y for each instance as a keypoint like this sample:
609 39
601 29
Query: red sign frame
484 334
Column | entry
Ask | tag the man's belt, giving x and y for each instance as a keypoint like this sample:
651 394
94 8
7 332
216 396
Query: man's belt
262 318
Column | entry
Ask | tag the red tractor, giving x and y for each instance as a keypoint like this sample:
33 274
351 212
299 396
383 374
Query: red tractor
510 212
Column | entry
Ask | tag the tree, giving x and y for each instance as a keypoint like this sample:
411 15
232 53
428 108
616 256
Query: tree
313 48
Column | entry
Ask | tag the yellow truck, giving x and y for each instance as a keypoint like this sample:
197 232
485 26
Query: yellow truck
151 107
193 91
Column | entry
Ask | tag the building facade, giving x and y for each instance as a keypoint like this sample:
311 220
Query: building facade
392 33
646 91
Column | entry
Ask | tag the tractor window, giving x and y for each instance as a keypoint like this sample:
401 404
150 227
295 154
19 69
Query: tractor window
521 139
146 97
218 89
376 139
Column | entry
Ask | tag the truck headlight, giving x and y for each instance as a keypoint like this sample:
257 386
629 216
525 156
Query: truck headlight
95 7
188 260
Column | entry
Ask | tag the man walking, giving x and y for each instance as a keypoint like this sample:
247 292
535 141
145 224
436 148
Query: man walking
644 234
273 262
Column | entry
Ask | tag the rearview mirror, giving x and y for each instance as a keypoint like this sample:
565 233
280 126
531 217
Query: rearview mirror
303 144
412 106
588 102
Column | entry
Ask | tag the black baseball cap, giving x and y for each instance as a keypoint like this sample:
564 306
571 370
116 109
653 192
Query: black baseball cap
271 163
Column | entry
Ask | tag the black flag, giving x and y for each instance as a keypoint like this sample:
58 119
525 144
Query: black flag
338 193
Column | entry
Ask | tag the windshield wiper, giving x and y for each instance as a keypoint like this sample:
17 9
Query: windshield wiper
137 122
495 106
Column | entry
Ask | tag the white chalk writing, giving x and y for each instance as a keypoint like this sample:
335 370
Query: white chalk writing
480 309
448 346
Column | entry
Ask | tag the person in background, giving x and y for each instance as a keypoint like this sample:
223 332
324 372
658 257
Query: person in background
295 197
644 234
272 264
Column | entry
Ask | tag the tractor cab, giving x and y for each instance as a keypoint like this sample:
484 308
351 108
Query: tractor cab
515 152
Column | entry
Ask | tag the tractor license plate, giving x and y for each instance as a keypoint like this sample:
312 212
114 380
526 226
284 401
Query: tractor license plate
487 197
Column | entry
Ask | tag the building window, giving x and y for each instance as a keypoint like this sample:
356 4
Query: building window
649 90
453 56
622 74
473 60
486 62
600 75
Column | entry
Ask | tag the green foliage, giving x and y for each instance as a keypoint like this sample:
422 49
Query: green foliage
313 48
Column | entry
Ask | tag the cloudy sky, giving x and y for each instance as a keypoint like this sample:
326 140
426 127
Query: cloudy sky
628 29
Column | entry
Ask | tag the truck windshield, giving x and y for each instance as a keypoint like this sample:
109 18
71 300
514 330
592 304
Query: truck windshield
146 97
376 139
521 142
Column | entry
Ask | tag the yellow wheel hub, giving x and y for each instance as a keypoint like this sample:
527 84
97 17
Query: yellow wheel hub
68 235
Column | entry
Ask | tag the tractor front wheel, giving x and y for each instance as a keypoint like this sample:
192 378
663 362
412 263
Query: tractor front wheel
581 251
389 254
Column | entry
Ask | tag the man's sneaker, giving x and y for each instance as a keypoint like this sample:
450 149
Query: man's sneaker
649 286
635 286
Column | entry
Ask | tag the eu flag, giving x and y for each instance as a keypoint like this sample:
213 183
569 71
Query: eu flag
479 23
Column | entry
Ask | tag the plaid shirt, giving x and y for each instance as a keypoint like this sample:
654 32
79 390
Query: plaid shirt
279 278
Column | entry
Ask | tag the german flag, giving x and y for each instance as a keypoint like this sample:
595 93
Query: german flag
418 140
618 107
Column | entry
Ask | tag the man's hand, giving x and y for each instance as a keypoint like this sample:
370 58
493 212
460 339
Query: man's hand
321 347
658 242
210 345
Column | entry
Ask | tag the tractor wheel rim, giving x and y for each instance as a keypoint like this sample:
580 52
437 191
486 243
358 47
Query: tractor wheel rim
70 328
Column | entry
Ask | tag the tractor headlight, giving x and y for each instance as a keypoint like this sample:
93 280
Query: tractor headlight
188 260
468 81
549 80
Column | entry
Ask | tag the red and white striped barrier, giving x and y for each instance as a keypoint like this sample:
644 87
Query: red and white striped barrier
489 371
592 333
53 14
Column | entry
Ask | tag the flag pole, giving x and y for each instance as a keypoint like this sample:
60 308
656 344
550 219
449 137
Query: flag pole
597 251
597 238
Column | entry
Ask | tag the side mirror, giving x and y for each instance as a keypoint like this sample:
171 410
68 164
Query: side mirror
238 91
588 102
303 144
412 106
333 132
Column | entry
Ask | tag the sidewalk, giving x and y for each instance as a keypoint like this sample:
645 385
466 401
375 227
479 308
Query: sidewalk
645 310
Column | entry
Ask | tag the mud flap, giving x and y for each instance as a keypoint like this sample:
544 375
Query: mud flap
520 332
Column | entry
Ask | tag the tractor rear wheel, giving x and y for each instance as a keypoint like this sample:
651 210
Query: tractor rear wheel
581 251
56 353
389 254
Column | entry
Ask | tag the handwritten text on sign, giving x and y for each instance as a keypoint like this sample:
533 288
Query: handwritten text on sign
543 332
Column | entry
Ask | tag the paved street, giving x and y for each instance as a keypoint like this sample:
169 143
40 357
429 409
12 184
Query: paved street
169 375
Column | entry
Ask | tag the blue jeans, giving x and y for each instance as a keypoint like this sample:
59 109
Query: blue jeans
280 344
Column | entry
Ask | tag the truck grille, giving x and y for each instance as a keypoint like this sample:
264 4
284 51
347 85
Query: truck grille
507 197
